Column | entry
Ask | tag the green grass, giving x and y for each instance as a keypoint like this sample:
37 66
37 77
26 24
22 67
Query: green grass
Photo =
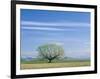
40 64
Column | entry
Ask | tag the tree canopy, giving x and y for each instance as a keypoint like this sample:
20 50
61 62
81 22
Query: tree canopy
50 51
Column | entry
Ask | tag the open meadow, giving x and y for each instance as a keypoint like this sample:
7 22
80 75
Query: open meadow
37 65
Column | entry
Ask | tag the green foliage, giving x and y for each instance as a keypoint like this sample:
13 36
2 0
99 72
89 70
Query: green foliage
50 51
41 61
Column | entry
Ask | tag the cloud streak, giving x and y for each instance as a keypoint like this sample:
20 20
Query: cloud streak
64 24
45 28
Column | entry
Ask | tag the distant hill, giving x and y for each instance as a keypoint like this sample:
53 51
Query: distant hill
65 58
72 58
27 58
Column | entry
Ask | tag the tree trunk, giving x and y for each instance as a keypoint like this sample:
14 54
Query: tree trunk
49 61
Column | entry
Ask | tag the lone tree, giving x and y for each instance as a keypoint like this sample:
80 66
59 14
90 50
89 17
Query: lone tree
50 51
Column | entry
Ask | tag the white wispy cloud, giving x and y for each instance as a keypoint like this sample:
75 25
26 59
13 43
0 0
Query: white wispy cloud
57 43
67 24
46 28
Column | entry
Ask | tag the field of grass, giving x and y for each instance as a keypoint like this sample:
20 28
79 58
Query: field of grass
41 64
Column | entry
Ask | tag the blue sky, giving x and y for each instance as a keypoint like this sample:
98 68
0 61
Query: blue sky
69 29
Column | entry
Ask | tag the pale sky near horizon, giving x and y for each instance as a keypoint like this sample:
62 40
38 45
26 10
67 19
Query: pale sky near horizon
67 28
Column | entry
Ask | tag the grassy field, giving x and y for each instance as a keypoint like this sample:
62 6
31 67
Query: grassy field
41 65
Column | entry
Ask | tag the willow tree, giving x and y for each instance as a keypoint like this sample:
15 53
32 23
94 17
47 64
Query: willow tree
50 51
